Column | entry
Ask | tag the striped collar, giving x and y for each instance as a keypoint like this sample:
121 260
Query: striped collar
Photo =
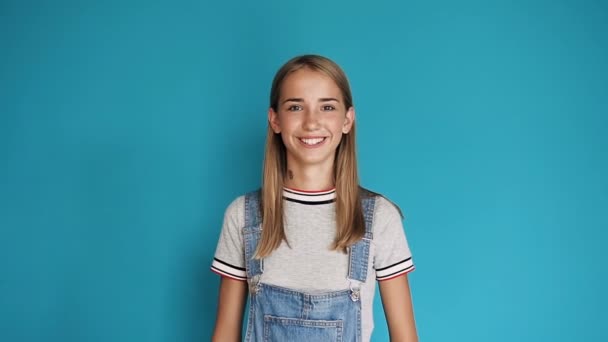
309 197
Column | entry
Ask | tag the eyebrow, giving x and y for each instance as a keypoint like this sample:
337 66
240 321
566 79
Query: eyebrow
293 99
323 99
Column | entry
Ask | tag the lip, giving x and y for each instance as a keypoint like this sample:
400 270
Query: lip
313 137
312 146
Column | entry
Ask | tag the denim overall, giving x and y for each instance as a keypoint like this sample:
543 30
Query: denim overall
278 314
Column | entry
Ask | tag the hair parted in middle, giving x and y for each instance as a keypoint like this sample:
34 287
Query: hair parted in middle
350 222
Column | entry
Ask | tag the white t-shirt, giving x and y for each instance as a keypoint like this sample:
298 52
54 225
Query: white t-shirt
308 264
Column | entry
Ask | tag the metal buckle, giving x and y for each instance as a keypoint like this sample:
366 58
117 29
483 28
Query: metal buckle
355 295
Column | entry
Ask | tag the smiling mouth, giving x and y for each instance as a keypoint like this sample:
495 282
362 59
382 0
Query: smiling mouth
312 141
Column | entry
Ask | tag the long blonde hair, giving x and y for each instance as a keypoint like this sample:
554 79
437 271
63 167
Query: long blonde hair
350 223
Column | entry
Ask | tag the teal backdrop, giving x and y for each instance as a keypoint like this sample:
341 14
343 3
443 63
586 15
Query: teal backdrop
127 127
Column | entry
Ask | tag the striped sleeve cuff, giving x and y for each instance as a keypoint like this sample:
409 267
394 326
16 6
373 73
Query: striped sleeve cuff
227 270
399 268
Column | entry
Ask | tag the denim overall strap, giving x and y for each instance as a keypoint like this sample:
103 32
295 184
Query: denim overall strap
359 252
251 233
281 314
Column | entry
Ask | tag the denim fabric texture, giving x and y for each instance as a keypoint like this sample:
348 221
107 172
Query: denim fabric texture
280 314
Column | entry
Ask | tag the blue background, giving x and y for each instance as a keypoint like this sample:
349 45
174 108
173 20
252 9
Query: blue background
127 127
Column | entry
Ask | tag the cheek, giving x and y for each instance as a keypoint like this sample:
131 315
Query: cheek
338 125
286 122
285 138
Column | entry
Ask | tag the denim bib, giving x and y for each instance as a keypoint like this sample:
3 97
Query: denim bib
278 314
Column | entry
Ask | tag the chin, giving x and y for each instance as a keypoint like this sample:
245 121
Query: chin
313 161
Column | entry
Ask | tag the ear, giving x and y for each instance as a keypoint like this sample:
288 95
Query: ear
273 120
349 120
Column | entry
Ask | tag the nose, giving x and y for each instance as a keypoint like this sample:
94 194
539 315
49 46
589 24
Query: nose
311 120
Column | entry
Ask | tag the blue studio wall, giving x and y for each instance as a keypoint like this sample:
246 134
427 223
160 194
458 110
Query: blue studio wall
127 127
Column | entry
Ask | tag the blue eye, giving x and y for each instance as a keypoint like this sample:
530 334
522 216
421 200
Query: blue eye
294 108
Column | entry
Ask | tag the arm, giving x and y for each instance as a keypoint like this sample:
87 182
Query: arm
231 304
397 304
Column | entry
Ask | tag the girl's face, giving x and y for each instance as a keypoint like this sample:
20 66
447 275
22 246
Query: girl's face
311 117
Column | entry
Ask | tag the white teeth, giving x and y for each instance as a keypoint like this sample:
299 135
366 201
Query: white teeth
312 141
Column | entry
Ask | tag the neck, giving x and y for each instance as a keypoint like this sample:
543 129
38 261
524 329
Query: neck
310 177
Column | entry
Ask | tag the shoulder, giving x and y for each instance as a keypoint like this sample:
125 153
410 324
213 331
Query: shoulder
237 205
388 219
234 214
236 208
384 207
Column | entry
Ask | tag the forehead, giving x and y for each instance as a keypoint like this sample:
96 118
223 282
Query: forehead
305 81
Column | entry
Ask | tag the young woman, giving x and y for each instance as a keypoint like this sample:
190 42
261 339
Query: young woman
310 245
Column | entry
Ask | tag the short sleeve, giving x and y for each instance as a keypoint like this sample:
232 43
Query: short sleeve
392 256
229 259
